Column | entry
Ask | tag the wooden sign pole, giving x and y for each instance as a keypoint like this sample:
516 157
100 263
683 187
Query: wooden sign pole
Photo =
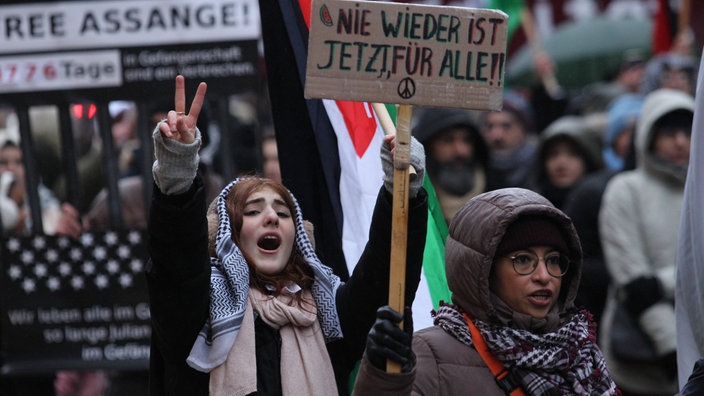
399 217
403 174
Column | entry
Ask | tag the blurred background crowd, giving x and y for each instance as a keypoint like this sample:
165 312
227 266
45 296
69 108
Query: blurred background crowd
573 127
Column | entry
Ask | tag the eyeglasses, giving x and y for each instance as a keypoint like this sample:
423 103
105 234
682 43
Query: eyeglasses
525 263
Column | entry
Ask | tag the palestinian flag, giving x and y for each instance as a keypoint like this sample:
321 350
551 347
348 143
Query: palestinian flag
329 156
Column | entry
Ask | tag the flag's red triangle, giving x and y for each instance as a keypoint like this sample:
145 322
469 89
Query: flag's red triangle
360 123
359 117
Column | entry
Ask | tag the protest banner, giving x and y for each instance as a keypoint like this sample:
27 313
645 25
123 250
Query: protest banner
406 54
130 49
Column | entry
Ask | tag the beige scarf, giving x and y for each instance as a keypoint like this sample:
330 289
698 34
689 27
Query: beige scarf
305 365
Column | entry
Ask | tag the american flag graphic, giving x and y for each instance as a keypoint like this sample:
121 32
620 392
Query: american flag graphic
94 262
76 303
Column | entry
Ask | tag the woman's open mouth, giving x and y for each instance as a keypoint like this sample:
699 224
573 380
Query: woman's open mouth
269 242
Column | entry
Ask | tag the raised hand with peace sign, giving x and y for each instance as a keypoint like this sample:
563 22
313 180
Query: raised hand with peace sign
179 125
176 142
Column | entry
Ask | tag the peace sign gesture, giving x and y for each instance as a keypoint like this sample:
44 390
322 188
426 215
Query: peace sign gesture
179 125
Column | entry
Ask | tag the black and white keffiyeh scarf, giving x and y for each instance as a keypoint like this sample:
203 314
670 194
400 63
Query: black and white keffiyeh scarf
229 288
564 362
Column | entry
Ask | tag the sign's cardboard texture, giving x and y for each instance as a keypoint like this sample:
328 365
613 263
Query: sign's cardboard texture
406 54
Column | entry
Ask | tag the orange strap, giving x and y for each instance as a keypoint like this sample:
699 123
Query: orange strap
496 367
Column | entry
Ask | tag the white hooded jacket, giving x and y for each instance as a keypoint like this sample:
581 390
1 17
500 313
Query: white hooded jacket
638 224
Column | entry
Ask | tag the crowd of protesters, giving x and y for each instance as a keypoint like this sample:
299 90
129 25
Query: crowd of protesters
609 161
614 160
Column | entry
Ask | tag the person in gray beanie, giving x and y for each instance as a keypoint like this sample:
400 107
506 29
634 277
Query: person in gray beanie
456 155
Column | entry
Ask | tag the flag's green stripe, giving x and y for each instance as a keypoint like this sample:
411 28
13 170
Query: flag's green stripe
434 254
391 108
513 9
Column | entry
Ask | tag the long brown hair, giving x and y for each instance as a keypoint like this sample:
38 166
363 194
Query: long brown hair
297 269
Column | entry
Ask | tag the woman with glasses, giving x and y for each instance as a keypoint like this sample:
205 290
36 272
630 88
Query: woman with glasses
513 264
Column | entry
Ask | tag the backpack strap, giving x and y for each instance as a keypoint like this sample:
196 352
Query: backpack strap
504 377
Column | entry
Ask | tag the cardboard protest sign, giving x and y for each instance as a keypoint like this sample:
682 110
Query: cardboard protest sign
406 54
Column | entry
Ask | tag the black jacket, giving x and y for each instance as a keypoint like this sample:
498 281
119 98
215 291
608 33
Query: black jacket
178 277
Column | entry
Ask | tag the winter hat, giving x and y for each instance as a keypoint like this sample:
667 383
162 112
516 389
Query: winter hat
432 121
580 130
520 108
531 231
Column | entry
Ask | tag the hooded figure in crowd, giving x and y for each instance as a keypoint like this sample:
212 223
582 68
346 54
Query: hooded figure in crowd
670 70
569 150
639 224
620 128
513 265
584 200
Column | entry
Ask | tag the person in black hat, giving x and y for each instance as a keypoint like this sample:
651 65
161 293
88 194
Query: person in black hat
456 155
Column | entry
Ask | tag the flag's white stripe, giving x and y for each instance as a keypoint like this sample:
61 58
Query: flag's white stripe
422 305
360 180
689 291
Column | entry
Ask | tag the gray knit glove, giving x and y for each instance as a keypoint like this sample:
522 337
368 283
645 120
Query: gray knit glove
417 162
176 163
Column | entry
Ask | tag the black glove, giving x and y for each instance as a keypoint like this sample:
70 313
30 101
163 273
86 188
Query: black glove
387 341
669 364
641 293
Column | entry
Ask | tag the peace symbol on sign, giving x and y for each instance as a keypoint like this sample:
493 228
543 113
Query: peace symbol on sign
406 88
